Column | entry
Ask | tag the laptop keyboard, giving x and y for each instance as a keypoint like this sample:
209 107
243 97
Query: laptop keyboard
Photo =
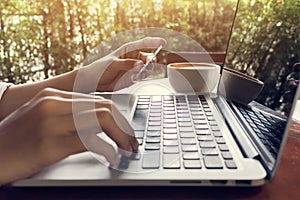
176 132
268 128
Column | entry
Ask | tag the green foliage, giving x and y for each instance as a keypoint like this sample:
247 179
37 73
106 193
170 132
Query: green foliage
39 39
43 38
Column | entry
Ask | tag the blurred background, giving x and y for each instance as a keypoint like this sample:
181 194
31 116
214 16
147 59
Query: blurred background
42 38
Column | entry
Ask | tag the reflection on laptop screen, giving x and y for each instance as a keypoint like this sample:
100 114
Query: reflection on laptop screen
265 44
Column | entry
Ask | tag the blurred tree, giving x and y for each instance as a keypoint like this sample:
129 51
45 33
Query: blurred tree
39 39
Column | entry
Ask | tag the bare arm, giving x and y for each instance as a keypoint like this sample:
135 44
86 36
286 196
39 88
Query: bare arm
17 95
106 74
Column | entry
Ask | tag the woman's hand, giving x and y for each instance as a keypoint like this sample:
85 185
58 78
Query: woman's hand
110 73
115 71
55 124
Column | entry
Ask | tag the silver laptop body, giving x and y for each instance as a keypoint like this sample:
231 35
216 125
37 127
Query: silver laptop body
224 151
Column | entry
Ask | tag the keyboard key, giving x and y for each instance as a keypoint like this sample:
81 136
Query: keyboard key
154 128
151 160
220 140
183 111
230 164
200 122
143 103
212 162
153 133
152 146
195 108
205 138
192 164
203 132
183 116
208 114
170 131
187 135
170 126
186 129
217 134
155 109
169 109
154 123
206 109
169 113
169 121
156 99
184 119
170 142
156 104
169 117
170 105
215 128
168 98
226 155
153 140
188 141
142 107
223 147
189 148
155 114
190 156
170 136
201 126
139 134
209 151
213 123
152 119
185 124
144 98
210 118
198 117
207 144
170 149
171 161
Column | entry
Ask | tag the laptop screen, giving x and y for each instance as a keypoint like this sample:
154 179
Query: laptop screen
265 44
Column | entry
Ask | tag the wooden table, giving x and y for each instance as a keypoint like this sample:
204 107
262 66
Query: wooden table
285 185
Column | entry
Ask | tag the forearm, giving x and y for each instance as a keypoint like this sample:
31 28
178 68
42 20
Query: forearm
17 95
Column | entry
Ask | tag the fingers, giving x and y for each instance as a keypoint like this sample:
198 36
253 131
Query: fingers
96 144
128 69
146 43
86 115
132 49
109 121
55 106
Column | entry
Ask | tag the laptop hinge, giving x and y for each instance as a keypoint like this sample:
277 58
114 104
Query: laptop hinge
238 132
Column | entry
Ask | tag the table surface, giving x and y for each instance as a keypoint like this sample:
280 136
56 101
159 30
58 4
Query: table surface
285 185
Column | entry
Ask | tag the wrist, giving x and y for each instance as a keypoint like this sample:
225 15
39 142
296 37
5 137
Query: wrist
62 82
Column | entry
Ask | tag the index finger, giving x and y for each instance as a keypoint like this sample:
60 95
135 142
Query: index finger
132 49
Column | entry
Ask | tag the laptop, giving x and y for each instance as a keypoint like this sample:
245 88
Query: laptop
186 140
